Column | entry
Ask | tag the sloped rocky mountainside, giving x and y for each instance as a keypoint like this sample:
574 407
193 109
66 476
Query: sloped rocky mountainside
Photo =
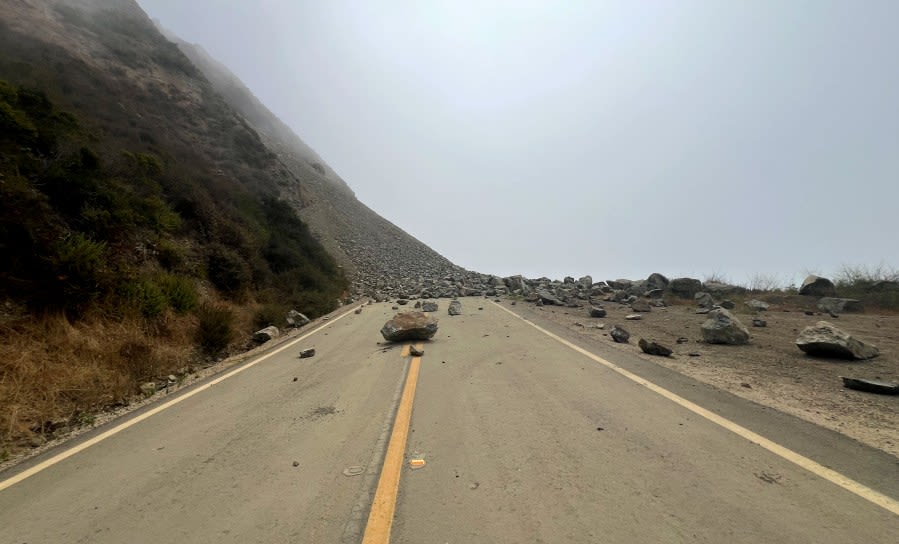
378 256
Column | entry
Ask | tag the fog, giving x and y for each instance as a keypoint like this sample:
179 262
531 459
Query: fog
603 138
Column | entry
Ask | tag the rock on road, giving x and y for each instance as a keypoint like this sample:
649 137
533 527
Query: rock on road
525 440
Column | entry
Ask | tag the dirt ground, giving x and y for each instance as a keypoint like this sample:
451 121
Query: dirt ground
770 370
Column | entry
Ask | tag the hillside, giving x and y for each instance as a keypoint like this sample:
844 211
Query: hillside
379 256
143 226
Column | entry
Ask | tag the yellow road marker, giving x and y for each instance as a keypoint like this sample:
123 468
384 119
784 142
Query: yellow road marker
416 463
405 351
863 491
150 413
380 519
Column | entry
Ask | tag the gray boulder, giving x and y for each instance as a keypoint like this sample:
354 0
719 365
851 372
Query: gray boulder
597 312
720 288
817 286
757 322
455 308
839 305
722 327
620 335
654 348
685 287
620 284
428 306
656 281
409 326
704 300
757 305
641 305
655 294
825 340
264 335
548 298
296 319
728 304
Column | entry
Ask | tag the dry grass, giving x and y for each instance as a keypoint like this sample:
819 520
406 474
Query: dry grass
54 374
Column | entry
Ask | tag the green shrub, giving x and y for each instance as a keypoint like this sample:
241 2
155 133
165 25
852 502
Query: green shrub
216 329
143 296
180 292
227 270
78 264
169 254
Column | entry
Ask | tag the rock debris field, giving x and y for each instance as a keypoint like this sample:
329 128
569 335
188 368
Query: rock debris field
786 351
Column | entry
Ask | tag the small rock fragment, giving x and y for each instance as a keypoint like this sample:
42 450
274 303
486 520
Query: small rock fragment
654 348
620 335
634 317
596 311
759 322
415 352
455 308
308 352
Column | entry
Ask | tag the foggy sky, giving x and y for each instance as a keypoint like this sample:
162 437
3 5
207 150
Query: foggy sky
607 138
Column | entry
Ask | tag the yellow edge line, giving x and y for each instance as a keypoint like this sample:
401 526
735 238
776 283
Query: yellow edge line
830 475
380 519
150 413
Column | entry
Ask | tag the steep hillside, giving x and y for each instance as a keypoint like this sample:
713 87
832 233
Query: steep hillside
379 256
142 224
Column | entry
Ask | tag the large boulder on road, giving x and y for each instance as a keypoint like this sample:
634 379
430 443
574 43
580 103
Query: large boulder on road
817 286
825 340
455 308
722 327
409 326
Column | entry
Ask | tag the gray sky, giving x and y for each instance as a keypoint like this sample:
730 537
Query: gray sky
602 138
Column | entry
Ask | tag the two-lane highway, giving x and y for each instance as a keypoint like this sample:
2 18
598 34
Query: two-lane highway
525 440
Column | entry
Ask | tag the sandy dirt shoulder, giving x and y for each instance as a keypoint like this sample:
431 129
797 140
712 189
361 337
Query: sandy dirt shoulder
770 370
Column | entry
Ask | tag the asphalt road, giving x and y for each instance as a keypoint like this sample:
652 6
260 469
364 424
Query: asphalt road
524 439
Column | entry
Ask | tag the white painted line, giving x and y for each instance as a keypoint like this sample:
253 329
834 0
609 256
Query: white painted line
152 412
818 469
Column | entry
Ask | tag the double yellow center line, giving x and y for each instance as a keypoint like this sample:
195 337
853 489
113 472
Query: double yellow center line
380 519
